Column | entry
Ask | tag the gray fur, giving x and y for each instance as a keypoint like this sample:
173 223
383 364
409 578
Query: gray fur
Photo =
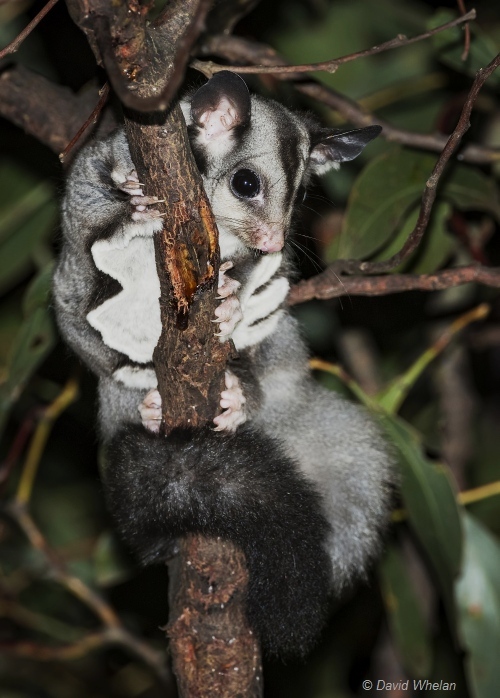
324 439
337 445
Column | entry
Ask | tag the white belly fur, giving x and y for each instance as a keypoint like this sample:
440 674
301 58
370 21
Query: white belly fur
130 321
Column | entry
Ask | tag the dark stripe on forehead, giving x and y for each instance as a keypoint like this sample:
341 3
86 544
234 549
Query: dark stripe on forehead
290 139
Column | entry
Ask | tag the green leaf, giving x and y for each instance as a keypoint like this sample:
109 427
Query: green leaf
33 341
21 199
383 194
478 602
28 214
469 189
405 614
391 397
16 252
435 248
450 46
38 292
391 186
429 499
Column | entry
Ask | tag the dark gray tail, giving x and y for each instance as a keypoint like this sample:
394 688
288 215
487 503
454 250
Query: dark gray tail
242 488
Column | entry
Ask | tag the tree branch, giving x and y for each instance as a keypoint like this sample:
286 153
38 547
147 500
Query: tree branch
353 265
235 49
16 43
49 112
189 360
209 68
128 46
329 285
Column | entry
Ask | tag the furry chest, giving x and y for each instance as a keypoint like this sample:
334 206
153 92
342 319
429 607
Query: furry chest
129 322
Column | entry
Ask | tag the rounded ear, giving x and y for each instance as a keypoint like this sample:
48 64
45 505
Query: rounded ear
335 147
221 104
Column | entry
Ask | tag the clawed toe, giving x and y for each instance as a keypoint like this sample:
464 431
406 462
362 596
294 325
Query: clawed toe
233 401
150 411
228 314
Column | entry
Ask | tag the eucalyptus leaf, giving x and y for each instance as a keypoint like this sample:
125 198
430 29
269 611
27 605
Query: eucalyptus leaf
24 199
478 602
392 185
436 247
38 292
405 615
17 250
429 499
34 340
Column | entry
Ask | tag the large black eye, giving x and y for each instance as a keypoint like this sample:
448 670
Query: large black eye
245 184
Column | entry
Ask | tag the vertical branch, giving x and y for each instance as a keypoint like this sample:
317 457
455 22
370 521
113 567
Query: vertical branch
213 649
189 359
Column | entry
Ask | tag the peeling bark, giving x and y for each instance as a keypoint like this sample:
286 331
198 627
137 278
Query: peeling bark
189 359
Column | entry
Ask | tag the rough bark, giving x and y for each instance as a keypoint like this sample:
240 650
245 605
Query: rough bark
49 112
189 359
213 653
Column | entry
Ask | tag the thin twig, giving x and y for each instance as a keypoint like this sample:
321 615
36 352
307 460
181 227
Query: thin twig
114 632
492 489
42 432
17 446
208 68
328 285
465 52
478 494
92 119
429 196
14 45
47 653
58 571
237 49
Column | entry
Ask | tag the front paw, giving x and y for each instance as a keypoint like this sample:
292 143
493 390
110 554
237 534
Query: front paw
129 184
233 401
150 410
229 312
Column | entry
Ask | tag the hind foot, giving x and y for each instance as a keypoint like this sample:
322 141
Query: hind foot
150 410
233 402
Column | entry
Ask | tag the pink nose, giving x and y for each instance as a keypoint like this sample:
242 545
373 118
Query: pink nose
271 245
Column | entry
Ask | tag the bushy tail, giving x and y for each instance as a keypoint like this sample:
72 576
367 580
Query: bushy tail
242 488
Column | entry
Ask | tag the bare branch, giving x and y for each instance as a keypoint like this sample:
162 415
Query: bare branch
237 49
14 45
331 66
429 196
49 112
465 52
113 632
90 121
329 285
